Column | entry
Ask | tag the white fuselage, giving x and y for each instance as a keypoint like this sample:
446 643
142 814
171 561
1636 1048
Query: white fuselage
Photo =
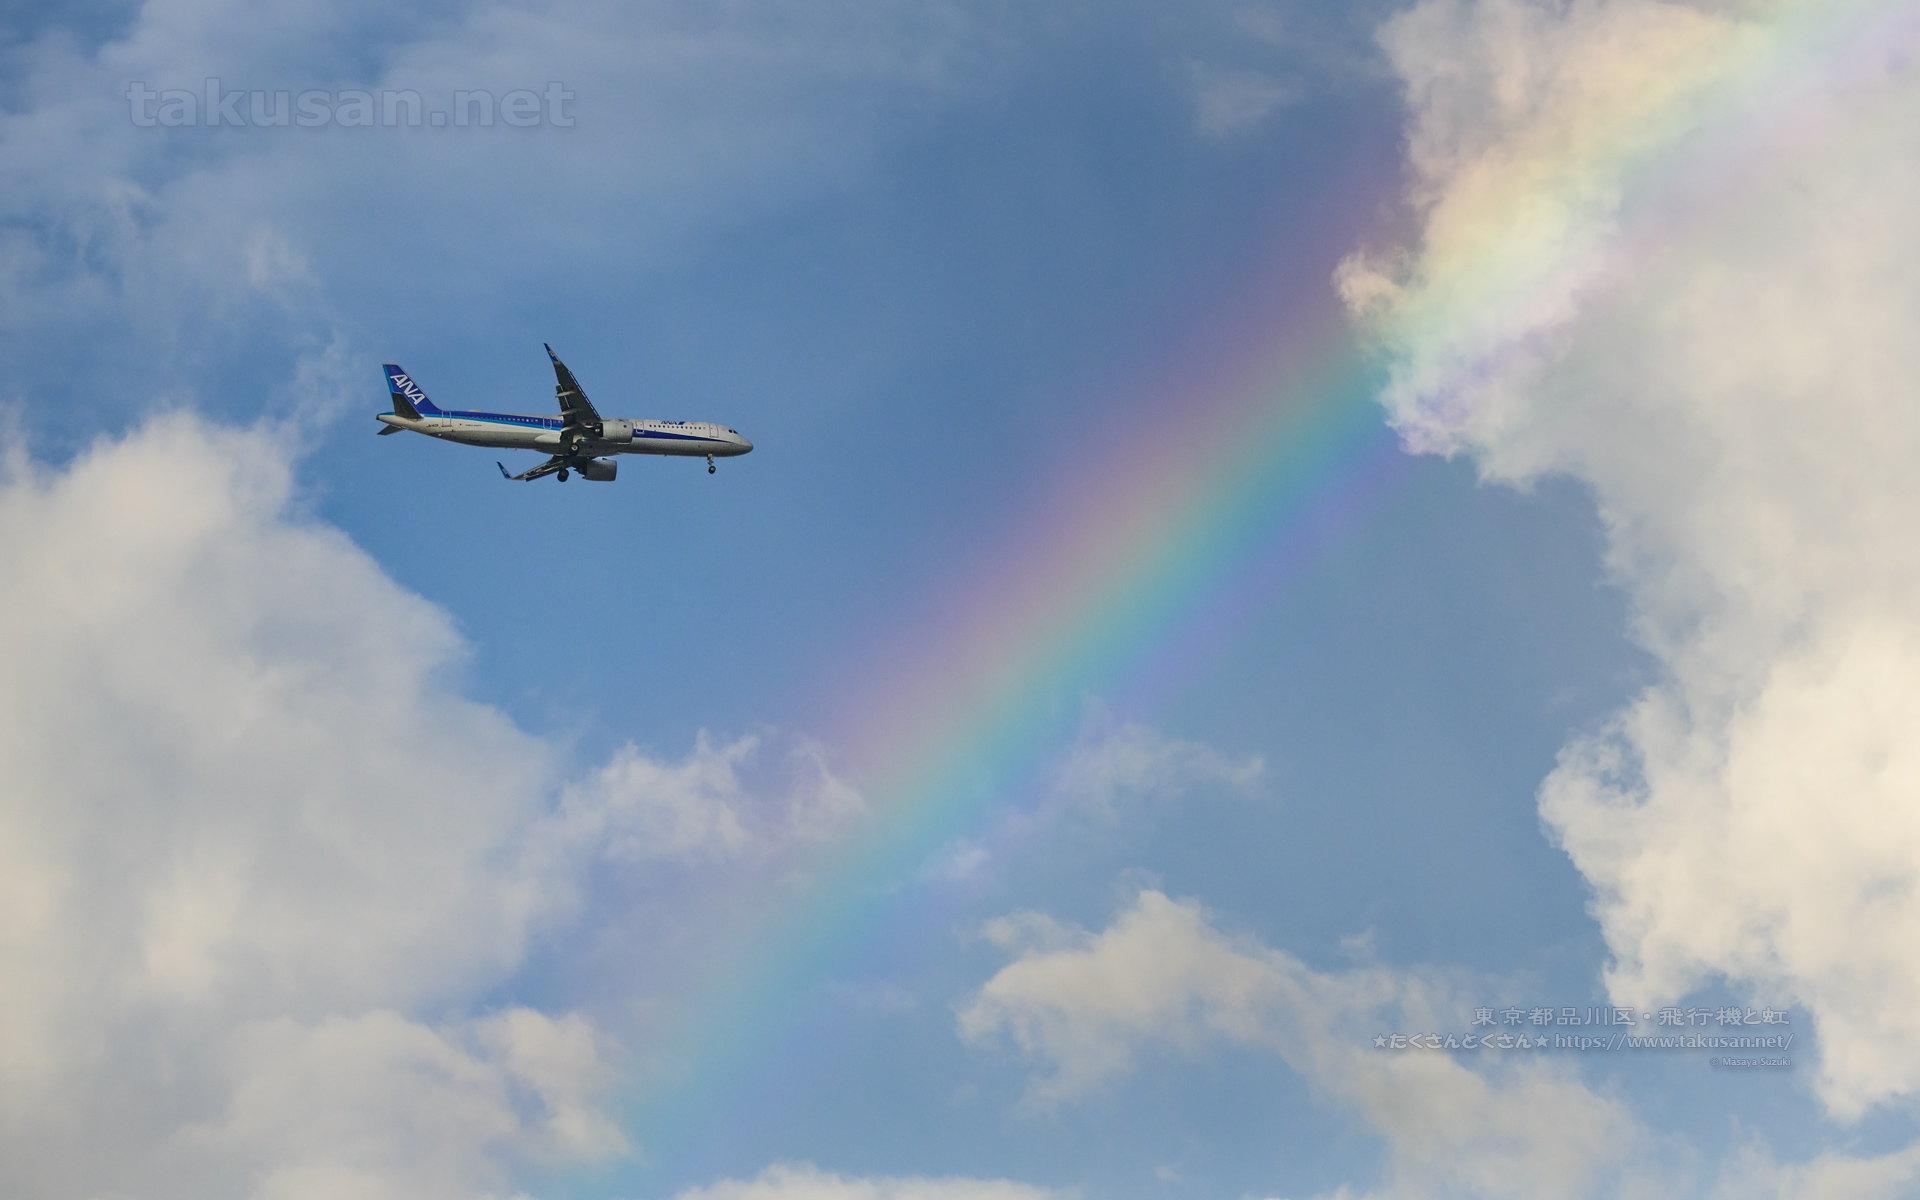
520 431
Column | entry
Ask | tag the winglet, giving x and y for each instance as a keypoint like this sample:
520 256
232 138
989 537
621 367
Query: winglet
503 471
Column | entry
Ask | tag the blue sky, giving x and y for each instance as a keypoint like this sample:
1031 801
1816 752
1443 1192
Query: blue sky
380 829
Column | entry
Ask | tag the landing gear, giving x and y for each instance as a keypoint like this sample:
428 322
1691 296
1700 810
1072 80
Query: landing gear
710 466
563 475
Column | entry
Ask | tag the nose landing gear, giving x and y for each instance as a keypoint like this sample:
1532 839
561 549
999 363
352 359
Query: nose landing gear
710 467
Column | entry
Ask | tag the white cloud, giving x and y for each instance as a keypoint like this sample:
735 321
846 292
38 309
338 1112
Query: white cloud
562 1066
1161 975
1750 1173
232 714
260 862
248 835
1110 764
1672 251
639 809
807 1182
379 1106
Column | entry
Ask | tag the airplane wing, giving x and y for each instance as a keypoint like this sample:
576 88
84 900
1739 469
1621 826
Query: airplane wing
574 405
546 468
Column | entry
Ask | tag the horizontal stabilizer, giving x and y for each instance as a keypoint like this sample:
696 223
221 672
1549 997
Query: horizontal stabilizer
387 429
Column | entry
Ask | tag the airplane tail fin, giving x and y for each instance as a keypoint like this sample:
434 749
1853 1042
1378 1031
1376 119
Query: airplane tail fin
408 400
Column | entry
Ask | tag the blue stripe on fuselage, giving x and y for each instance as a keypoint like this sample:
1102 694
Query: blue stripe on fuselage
555 423
681 437
509 419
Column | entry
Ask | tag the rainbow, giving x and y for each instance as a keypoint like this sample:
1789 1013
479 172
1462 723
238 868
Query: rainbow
1171 538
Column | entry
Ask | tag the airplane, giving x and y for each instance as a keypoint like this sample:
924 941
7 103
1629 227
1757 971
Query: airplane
574 438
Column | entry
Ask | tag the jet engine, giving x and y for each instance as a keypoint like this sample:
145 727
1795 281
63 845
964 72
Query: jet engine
618 432
600 470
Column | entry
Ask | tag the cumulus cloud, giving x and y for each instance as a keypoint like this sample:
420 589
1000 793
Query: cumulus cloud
1671 251
260 862
1162 976
378 1106
807 1182
215 725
